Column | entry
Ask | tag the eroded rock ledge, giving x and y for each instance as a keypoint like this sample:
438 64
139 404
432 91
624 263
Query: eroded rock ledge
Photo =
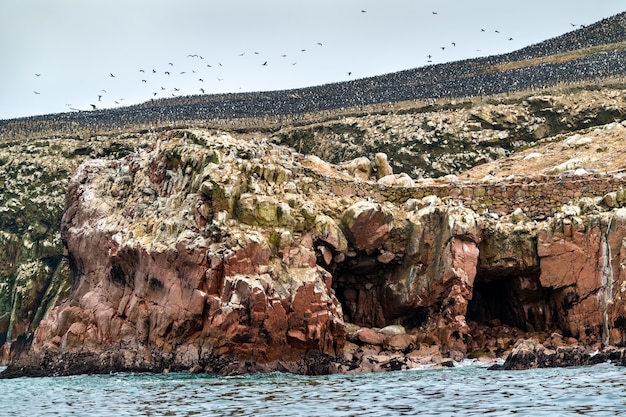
211 254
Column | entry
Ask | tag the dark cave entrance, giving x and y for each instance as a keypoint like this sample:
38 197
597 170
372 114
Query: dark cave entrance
515 299
358 282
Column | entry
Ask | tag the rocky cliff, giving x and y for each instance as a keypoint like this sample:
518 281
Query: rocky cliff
213 253
34 174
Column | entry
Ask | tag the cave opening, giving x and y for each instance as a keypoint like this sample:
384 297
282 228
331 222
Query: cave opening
515 299
358 281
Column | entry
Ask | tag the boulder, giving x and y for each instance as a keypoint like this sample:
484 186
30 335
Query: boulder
392 330
360 168
367 225
383 168
399 342
370 336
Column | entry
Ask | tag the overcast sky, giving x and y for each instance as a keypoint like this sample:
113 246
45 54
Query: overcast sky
61 55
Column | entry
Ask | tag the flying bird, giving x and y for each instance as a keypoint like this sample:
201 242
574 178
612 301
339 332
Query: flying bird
36 92
111 74
38 75
434 12
265 63
167 73
202 89
93 106
144 81
99 98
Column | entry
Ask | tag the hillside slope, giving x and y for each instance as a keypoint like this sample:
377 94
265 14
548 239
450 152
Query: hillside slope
587 54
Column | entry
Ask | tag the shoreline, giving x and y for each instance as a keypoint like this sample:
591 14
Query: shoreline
526 354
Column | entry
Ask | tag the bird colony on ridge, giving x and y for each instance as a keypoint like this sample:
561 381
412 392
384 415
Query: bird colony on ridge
468 78
204 70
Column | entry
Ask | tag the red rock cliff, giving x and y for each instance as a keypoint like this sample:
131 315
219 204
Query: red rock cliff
218 255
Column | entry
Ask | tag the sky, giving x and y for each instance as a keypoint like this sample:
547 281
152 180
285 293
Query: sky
70 55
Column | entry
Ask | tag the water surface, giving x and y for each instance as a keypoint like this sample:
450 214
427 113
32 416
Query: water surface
468 391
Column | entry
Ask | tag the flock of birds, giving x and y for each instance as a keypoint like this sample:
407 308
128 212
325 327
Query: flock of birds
146 76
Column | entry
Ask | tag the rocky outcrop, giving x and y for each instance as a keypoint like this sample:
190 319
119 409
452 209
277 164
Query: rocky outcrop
201 289
216 254
530 354
34 275
453 136
413 139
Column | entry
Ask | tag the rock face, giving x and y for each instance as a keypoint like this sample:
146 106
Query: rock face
215 254
34 276
161 277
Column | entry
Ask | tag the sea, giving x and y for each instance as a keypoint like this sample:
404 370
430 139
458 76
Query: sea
465 390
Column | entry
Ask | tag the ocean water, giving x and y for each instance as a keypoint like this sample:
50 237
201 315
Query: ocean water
463 391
